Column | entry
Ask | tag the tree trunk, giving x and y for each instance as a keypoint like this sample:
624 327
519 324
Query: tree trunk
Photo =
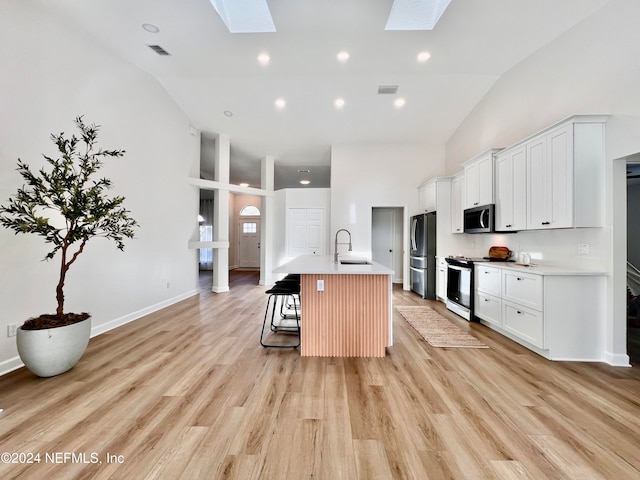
60 287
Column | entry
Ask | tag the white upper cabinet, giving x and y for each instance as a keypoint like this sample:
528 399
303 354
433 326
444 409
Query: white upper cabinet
435 195
565 175
550 179
553 179
427 196
478 174
511 190
457 200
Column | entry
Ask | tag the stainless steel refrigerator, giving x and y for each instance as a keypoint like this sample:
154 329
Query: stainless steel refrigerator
423 255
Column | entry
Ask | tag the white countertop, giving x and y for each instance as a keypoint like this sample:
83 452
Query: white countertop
323 264
541 269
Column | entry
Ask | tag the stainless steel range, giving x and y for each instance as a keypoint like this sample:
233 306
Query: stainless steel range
460 285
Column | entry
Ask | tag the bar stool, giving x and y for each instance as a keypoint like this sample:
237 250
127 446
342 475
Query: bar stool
281 292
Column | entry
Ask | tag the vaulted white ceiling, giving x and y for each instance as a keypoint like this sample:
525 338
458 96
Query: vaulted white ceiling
210 71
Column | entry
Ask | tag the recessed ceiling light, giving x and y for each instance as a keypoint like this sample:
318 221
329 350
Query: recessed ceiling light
263 59
423 57
305 182
243 184
228 113
280 103
343 56
399 102
339 102
150 28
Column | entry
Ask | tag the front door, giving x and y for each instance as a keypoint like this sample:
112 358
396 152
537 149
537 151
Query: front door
249 243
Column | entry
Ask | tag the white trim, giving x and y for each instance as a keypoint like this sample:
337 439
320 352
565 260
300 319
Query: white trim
10 365
616 360
118 322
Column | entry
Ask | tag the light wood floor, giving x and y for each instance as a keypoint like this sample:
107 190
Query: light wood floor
188 393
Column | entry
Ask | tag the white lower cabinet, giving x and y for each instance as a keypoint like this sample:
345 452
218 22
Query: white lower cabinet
488 308
487 301
441 279
523 322
522 288
558 315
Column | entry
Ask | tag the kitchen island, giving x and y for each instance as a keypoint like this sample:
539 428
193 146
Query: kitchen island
346 308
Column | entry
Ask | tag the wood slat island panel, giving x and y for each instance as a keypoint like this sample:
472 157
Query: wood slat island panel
350 318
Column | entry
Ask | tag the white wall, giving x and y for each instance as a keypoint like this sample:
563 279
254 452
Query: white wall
593 68
366 176
287 198
385 175
49 75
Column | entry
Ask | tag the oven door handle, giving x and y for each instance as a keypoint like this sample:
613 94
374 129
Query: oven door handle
461 269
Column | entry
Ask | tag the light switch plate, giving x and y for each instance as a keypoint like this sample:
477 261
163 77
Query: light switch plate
321 285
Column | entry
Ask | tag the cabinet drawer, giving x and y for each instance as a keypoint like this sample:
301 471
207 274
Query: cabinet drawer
488 308
488 279
522 288
523 322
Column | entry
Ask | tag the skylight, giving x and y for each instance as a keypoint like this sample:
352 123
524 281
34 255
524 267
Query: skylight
245 16
415 14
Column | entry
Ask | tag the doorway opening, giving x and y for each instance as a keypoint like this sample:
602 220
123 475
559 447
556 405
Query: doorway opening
387 239
249 237
633 259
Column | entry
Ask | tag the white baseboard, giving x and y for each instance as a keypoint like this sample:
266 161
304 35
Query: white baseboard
10 365
105 327
617 359
14 363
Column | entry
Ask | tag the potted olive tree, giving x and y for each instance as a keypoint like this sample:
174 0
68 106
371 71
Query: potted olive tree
67 205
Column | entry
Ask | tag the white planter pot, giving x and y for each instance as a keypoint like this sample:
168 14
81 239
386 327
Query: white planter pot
53 351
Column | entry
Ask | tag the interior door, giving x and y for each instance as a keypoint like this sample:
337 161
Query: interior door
249 243
305 231
387 239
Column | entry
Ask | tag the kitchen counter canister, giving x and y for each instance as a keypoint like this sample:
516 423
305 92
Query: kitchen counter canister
346 309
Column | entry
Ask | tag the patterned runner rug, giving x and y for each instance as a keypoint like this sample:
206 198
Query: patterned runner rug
437 330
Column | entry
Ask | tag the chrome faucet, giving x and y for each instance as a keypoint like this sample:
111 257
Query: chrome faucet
335 255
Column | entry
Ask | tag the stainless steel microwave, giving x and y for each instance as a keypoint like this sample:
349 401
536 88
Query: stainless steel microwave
479 219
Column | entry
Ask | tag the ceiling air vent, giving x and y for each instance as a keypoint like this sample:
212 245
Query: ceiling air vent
387 89
158 49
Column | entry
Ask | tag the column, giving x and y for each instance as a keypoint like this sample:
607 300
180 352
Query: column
221 215
266 232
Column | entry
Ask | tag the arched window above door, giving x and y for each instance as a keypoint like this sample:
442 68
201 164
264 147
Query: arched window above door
249 211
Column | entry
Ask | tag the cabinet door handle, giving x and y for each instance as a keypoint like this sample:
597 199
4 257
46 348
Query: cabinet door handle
518 312
546 223
486 300
508 226
475 203
519 278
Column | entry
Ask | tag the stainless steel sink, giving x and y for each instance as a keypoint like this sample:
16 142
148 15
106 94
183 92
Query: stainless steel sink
354 261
